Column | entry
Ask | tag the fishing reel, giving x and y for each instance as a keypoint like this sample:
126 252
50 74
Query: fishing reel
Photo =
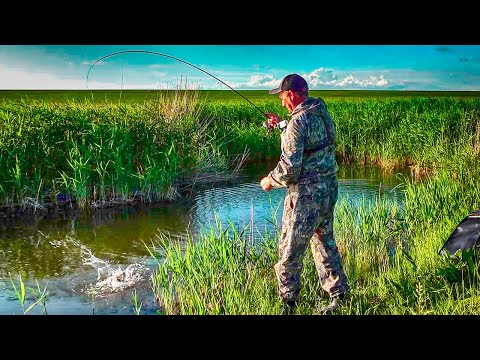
268 126
281 125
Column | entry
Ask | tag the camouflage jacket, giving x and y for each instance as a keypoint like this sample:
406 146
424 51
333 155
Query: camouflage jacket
308 152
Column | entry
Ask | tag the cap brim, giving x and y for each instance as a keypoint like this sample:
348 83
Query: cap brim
274 91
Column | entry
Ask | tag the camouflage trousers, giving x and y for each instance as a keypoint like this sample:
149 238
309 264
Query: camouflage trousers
308 218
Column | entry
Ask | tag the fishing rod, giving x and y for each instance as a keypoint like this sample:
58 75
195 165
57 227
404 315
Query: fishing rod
174 58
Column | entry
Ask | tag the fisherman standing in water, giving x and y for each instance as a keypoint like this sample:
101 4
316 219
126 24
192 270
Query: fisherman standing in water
307 167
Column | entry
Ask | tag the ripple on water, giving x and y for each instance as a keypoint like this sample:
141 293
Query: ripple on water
75 255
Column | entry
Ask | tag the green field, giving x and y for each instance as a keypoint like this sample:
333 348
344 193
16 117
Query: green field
106 150
128 96
109 149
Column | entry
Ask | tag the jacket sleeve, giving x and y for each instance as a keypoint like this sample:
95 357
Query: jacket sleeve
289 166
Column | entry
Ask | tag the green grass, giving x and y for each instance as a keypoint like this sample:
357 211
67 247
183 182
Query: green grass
39 296
109 151
111 148
390 257
135 96
390 254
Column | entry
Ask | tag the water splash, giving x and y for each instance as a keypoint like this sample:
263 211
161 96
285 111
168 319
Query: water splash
112 280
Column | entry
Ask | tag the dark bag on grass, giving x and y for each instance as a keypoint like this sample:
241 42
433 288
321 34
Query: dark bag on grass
465 236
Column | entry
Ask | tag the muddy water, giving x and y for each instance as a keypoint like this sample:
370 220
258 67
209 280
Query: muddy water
93 264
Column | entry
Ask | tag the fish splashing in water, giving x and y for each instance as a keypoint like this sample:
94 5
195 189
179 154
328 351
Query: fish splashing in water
111 280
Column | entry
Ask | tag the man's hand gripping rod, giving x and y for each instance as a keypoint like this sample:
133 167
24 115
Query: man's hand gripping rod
277 123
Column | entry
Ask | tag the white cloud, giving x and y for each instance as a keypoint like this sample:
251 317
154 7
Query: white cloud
267 81
327 78
320 78
370 82
19 77
12 78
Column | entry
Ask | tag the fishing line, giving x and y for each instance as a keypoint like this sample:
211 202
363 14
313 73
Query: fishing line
174 58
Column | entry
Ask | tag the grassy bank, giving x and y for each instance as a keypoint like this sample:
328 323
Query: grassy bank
390 256
99 152
109 152
390 253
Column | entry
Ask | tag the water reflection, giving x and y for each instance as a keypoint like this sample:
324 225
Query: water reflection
247 206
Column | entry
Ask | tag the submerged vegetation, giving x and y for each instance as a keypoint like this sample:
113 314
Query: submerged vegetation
99 152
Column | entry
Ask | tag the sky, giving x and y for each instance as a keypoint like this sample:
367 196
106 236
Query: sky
241 67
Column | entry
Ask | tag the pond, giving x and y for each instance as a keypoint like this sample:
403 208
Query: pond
95 263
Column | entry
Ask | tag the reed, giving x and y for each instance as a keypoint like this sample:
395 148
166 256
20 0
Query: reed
103 152
418 131
220 273
98 154
112 151
136 305
21 293
389 251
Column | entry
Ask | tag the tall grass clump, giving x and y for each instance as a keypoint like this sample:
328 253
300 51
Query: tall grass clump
413 131
105 152
416 278
221 272
421 132
390 250
241 126
21 293
390 253
423 280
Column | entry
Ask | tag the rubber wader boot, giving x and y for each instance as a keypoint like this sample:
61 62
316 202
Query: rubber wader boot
288 308
334 303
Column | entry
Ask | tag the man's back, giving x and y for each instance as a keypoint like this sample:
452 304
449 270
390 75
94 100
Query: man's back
313 129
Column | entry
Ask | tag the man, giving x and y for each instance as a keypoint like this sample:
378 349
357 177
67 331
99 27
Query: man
307 167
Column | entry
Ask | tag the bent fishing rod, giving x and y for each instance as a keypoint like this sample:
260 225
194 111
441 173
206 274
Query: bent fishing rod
264 124
174 58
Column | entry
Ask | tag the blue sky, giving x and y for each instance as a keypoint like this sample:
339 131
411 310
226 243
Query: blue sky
243 67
